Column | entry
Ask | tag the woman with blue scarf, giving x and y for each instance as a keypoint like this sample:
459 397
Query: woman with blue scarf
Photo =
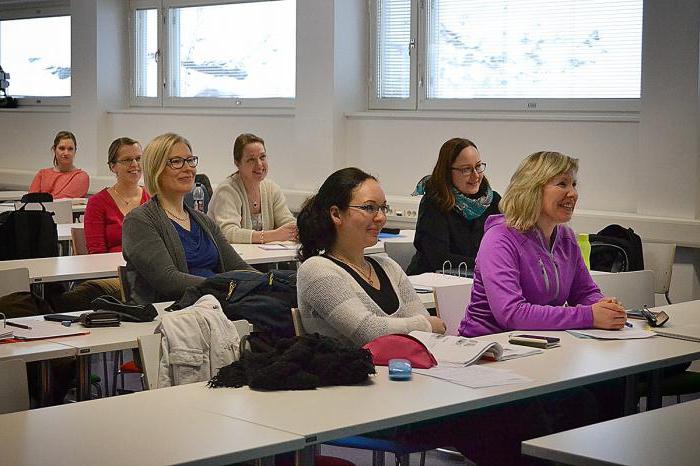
457 199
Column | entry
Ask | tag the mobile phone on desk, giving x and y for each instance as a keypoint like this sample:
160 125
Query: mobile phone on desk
538 341
62 318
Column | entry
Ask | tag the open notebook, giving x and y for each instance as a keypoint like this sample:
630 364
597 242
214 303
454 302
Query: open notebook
463 351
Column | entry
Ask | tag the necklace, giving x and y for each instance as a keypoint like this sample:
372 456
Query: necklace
119 195
175 216
365 275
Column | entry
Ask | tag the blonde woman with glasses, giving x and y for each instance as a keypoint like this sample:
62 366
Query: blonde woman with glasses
457 200
530 274
105 211
167 245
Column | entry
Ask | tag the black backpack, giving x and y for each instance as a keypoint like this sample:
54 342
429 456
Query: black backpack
26 234
616 249
263 299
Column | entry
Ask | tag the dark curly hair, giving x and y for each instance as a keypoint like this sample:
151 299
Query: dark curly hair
316 229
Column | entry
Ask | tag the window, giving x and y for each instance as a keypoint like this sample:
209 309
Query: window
507 54
40 66
223 54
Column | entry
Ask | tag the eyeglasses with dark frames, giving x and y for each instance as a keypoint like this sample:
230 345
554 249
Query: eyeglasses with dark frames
372 209
177 163
467 171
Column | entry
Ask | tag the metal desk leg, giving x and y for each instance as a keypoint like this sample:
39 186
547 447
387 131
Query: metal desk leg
83 377
305 457
631 394
45 383
265 461
654 389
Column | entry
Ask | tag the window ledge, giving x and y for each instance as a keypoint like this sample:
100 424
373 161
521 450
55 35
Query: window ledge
257 112
603 117
38 109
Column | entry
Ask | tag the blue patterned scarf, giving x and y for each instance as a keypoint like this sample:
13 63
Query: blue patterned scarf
470 208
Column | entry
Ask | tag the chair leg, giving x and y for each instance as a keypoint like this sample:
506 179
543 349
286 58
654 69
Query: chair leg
377 458
403 460
115 372
104 371
668 300
422 458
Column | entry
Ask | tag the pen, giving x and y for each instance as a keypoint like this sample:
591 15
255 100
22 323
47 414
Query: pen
15 324
628 325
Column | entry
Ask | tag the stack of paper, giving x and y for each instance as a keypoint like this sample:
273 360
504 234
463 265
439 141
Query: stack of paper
5 332
279 246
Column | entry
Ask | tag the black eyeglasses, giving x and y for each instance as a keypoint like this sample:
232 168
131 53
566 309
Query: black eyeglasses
178 162
128 162
372 209
467 171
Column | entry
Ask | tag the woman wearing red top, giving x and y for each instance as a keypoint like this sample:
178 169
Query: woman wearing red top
63 180
105 210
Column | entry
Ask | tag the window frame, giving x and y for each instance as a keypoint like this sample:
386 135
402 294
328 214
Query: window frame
419 101
165 99
31 10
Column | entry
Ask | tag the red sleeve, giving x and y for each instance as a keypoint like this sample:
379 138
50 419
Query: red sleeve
35 187
76 187
95 223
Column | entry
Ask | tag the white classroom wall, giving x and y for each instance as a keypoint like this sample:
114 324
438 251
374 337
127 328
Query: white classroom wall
641 164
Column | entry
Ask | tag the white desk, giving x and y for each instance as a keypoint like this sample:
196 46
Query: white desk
63 230
383 403
142 428
68 268
254 254
663 436
332 412
11 195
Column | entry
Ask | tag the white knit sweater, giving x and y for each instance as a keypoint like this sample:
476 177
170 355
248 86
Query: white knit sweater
230 209
332 303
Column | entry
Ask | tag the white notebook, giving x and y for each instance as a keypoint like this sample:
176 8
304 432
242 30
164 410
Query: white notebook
683 332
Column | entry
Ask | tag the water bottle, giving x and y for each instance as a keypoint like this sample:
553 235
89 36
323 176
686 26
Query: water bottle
585 244
198 196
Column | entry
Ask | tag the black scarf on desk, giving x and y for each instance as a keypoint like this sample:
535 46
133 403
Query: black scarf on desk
298 363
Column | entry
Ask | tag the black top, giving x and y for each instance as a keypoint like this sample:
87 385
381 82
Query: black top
440 237
385 296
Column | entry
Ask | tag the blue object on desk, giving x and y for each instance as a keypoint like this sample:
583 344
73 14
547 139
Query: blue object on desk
383 235
399 369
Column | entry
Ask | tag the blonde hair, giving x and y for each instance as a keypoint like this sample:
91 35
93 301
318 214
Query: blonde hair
155 157
522 202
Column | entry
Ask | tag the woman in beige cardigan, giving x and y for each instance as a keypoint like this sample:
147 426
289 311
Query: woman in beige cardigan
247 207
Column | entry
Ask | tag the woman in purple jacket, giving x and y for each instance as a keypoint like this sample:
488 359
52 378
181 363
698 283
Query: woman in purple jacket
529 272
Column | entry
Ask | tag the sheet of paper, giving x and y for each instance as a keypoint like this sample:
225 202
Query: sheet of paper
46 329
474 376
637 330
278 246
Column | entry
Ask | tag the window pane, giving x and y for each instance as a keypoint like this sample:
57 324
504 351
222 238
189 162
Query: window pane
393 39
245 50
146 49
36 53
534 49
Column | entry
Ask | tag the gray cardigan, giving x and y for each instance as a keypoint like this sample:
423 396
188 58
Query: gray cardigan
156 267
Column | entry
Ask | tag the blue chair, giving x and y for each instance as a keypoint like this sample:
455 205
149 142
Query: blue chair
379 447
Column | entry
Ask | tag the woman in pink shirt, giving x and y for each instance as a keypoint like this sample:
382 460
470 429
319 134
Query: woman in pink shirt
105 210
63 180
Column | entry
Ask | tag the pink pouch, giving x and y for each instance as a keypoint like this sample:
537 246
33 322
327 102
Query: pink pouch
400 346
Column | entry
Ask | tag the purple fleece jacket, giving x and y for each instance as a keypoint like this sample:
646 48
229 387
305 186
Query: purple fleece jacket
520 285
